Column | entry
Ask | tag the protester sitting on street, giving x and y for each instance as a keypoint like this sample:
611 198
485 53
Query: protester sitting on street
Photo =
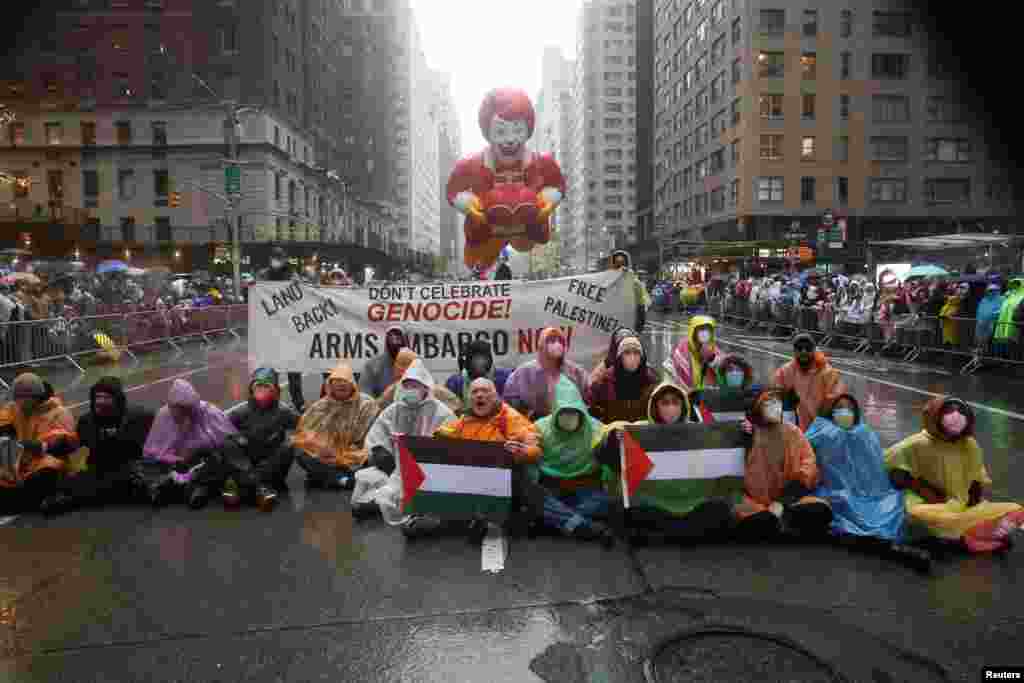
695 358
416 413
331 434
487 418
606 365
779 477
112 435
735 383
403 361
625 391
476 360
569 472
941 470
811 377
45 430
379 372
677 511
530 389
868 511
183 455
256 469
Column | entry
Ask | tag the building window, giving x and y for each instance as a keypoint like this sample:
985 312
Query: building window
771 106
769 189
889 189
890 108
845 65
890 66
54 133
717 162
771 147
947 149
807 110
126 184
159 133
842 190
124 132
88 133
844 107
809 65
891 24
91 188
807 148
889 148
127 229
718 200
843 148
771 64
845 23
55 184
161 186
947 190
772 22
810 22
736 33
945 110
807 190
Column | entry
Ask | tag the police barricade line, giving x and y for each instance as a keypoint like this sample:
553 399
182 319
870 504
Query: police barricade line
30 342
910 335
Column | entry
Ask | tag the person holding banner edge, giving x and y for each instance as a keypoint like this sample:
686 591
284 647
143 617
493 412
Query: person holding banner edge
620 260
280 271
476 360
379 372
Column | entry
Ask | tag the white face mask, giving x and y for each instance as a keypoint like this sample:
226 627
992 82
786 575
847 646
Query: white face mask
556 349
773 412
704 336
412 396
734 378
568 420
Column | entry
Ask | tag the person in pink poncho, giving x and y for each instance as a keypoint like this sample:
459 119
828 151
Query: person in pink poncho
182 455
530 389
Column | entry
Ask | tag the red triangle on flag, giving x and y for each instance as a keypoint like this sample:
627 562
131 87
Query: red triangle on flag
638 465
412 474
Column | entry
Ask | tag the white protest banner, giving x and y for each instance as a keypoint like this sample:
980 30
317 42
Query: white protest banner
295 327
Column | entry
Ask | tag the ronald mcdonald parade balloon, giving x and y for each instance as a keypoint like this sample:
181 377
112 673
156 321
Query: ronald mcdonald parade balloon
506 192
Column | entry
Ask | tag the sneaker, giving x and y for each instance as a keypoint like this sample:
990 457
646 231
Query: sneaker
231 496
419 527
198 497
915 558
266 498
366 510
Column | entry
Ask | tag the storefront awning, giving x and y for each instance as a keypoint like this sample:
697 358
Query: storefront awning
965 240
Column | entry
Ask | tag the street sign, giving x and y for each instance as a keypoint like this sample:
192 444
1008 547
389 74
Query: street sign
233 180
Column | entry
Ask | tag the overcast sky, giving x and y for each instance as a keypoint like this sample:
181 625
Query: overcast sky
484 44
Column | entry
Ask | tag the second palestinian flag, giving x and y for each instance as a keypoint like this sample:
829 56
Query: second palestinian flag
455 478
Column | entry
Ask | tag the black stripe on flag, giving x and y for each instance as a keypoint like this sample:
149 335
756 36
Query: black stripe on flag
727 402
445 451
688 436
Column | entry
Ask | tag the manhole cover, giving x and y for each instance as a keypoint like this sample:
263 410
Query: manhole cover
722 656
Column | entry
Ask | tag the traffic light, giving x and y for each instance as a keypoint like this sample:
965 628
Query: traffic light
175 200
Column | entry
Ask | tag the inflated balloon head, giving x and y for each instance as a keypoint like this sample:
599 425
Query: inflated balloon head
507 104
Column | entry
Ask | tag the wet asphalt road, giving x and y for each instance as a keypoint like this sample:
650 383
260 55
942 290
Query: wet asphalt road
307 594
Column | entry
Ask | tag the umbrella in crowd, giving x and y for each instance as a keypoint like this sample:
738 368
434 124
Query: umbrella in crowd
112 267
926 271
15 278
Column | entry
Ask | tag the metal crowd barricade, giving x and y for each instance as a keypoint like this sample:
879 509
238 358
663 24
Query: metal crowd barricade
70 339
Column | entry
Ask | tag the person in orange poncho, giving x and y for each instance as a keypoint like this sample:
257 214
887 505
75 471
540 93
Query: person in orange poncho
811 377
487 418
45 430
331 433
780 473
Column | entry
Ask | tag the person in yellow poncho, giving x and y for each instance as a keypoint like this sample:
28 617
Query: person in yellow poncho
694 360
950 311
942 472
331 434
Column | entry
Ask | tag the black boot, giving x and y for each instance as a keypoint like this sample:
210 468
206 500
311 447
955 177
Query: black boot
916 558
198 497
56 505
367 510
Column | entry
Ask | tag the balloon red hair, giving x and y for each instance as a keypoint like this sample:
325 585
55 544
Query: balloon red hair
511 104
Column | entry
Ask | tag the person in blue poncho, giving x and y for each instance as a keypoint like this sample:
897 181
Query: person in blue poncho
988 314
868 511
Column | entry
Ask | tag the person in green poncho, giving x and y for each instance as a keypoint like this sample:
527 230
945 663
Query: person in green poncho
678 511
569 474
1006 329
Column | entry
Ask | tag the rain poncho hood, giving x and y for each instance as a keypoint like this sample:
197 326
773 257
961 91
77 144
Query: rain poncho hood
686 363
533 382
334 431
209 429
814 387
569 455
661 390
989 309
853 478
1005 328
734 359
113 386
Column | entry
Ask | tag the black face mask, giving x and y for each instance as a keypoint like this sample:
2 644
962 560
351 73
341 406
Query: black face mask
479 366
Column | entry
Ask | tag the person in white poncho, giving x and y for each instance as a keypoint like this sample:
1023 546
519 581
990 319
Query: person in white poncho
416 412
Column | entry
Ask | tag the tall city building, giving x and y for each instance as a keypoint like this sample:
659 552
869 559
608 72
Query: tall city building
340 80
769 113
449 149
603 193
424 203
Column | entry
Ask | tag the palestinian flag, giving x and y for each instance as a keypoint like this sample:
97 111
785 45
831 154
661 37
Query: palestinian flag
713 453
455 478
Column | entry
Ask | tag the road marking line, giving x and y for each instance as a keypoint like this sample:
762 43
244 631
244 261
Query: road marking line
895 385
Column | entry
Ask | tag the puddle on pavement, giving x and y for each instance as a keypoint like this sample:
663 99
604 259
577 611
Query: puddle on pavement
331 533
724 657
